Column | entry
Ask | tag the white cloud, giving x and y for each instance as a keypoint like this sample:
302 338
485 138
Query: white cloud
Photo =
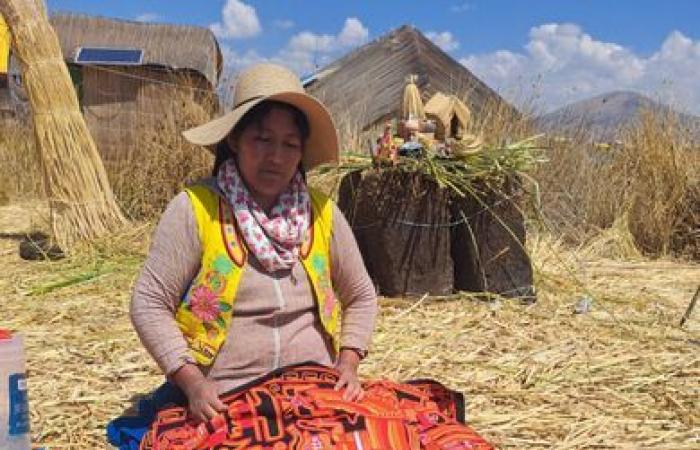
461 7
306 41
678 48
353 33
148 17
283 24
500 66
235 61
306 51
567 64
239 20
673 70
444 40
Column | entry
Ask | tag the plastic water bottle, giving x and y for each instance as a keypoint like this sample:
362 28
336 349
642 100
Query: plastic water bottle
14 407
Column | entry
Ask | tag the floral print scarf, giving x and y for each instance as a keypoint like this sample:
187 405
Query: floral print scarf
274 239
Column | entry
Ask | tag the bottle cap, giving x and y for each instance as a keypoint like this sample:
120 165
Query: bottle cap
5 334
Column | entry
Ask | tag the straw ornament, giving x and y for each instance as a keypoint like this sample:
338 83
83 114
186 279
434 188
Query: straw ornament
412 107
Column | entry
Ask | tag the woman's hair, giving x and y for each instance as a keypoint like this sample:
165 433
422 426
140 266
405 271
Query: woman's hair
255 117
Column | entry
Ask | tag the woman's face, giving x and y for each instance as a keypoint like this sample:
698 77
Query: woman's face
269 155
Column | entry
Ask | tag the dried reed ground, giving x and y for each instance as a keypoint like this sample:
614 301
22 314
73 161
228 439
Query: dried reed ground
622 376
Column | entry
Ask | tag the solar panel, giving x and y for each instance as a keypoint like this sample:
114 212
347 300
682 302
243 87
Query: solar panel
109 56
309 80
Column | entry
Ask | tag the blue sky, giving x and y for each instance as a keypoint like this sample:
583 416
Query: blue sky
547 51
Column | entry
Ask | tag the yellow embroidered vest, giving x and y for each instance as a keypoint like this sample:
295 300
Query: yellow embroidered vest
204 314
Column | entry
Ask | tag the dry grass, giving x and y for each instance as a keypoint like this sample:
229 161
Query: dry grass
500 124
144 184
646 183
20 177
622 376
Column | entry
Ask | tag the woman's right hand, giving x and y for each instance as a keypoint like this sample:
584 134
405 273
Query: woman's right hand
202 395
203 399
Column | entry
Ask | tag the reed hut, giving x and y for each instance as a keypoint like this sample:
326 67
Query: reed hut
365 88
451 115
127 75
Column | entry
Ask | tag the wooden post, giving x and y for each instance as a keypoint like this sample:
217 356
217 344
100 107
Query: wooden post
691 306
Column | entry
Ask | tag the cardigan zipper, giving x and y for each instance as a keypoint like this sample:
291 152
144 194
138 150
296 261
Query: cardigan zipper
275 330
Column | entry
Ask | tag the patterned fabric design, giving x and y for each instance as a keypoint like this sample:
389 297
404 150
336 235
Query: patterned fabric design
297 409
275 239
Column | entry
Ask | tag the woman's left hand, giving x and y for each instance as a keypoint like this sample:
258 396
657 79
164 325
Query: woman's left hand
347 364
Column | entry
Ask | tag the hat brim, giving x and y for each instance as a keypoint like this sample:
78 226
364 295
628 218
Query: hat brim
321 146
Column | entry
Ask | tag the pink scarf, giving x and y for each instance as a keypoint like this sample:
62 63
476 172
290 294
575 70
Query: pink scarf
275 240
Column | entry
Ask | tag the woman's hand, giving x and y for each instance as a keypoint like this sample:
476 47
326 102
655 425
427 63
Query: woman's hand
202 395
347 364
204 402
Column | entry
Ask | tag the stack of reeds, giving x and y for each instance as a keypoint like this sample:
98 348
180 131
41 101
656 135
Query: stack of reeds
82 203
486 165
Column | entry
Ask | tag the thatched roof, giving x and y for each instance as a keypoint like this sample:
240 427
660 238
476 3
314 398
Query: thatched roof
444 107
171 46
367 85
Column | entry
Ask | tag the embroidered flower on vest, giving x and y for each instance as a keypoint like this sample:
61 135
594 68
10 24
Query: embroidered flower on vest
204 304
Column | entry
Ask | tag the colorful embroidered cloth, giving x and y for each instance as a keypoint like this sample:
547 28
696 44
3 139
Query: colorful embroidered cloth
297 408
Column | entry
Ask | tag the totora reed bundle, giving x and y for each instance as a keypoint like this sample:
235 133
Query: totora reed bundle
80 197
412 107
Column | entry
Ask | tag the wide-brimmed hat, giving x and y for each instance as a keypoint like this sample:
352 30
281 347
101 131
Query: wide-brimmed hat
273 82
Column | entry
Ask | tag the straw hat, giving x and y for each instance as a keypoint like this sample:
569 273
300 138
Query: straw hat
272 82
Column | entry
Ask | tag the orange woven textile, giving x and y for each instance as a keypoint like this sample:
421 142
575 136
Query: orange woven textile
297 409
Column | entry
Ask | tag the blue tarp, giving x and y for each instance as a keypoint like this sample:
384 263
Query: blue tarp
126 432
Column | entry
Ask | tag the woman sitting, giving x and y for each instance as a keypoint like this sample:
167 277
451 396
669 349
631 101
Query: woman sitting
259 255
261 352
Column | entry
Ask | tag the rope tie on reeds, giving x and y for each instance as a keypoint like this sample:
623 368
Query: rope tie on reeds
41 62
147 79
57 201
139 77
56 112
412 224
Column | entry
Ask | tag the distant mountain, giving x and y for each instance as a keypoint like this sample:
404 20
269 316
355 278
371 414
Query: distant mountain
603 115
